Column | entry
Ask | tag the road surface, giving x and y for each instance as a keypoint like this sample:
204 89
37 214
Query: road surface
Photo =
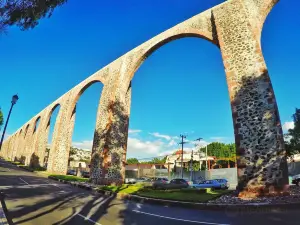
39 201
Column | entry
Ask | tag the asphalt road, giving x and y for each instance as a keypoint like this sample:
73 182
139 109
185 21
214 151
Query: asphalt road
35 200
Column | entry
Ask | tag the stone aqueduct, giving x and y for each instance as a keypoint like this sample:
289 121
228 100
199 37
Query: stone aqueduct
235 27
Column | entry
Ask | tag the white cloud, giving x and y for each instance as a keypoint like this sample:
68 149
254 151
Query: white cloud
85 145
156 134
288 125
134 131
140 148
172 143
201 143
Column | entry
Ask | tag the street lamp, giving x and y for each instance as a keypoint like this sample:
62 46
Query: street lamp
13 102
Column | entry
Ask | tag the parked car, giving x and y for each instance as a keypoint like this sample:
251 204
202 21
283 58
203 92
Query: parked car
213 184
130 180
223 181
173 184
85 174
157 182
143 180
71 172
296 179
198 179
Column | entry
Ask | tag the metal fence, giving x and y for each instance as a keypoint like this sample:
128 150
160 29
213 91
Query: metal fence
294 168
226 173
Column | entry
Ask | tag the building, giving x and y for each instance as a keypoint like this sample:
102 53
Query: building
187 156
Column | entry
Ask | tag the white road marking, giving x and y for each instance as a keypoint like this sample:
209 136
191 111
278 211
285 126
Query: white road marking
85 218
171 218
22 186
23 180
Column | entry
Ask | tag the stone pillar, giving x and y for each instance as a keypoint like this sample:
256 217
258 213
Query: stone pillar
42 138
111 133
259 141
61 142
15 149
28 144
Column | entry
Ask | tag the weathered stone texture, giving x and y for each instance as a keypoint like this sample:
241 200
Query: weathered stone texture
234 26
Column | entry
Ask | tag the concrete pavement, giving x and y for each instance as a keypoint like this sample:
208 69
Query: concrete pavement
35 200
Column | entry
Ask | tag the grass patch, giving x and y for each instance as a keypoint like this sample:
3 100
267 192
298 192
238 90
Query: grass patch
182 195
187 194
32 169
69 178
125 188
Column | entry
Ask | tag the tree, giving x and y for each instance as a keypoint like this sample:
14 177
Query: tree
292 145
158 160
73 151
220 150
26 13
132 161
1 118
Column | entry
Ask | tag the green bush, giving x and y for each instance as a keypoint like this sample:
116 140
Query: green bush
31 169
68 178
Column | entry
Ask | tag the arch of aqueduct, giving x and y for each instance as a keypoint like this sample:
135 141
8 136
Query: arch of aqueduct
235 27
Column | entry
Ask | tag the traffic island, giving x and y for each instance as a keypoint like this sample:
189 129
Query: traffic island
292 196
190 198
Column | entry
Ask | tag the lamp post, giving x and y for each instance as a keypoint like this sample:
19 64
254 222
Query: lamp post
13 102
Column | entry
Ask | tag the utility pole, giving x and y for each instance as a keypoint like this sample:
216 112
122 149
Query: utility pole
182 143
192 166
206 157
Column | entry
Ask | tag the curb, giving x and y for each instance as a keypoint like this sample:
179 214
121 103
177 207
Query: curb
203 206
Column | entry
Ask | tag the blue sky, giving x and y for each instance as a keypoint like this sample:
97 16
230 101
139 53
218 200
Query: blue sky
180 88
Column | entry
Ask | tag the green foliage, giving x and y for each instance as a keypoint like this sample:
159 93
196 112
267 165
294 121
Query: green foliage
68 178
125 188
1 118
158 161
132 161
39 168
153 161
293 144
196 166
221 150
26 13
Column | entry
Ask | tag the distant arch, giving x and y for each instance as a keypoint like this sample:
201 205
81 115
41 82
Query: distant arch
26 130
36 124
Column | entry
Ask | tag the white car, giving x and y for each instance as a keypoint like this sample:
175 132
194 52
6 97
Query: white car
130 180
296 179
